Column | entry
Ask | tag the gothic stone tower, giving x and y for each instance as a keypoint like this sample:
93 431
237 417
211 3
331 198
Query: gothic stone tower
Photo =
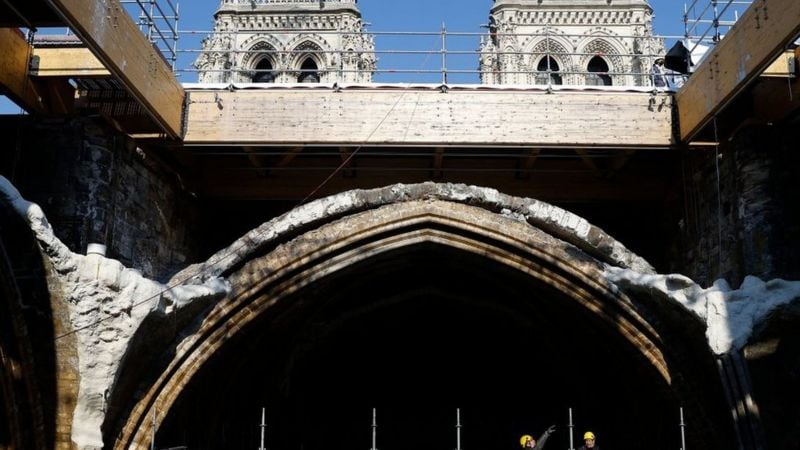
574 42
287 41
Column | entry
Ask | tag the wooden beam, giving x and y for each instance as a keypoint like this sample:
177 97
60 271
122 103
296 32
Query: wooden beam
114 38
58 95
14 79
69 62
470 118
760 35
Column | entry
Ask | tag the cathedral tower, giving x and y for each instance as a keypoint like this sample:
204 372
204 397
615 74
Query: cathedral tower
573 42
287 41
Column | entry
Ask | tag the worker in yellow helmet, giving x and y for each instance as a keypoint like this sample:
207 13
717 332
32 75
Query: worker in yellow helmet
590 442
528 442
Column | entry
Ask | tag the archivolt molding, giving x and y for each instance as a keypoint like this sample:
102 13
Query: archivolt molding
260 39
551 219
312 45
555 48
607 47
266 43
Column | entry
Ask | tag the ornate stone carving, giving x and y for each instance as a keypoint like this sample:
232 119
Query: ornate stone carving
328 36
521 32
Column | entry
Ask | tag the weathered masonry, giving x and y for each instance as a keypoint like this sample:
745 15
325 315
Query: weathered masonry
176 257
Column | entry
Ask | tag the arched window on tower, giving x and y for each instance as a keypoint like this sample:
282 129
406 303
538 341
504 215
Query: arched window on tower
263 72
598 72
308 72
548 71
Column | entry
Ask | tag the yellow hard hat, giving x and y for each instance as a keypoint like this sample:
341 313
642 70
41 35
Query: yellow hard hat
525 439
588 435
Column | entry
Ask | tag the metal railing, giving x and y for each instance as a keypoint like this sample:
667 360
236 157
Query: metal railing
441 56
158 20
707 21
451 57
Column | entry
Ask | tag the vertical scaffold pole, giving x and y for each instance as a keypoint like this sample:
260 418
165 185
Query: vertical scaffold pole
153 437
263 427
176 10
571 431
458 428
683 431
374 429
444 54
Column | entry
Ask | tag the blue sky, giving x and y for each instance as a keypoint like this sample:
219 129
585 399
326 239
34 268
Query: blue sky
405 15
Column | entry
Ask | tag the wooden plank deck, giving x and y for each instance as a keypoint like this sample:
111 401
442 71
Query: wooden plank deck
406 117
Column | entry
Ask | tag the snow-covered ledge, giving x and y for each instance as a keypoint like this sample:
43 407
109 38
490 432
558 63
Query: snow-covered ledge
730 314
107 304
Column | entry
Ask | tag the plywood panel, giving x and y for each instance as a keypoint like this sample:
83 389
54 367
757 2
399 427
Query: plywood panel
407 117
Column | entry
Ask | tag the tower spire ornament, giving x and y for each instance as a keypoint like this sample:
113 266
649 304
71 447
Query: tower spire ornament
287 41
574 42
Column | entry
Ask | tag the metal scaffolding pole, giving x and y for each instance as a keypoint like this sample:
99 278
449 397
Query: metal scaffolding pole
263 428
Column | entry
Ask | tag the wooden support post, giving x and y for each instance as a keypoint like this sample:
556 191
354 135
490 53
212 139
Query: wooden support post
14 79
760 35
55 96
109 32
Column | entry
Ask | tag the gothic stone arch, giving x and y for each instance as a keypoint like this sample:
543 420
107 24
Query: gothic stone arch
307 245
253 57
604 47
556 48
311 46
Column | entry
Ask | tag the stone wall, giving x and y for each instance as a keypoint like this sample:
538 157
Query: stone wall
96 186
741 218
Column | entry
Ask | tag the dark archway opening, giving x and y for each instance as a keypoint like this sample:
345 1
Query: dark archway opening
264 72
598 72
417 333
548 69
308 72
